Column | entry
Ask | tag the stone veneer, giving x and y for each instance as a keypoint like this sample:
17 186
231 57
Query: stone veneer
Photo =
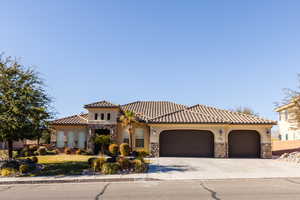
220 150
266 150
154 151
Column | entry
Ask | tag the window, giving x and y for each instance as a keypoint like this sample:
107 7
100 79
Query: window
71 139
96 116
81 140
279 116
139 137
286 137
125 136
286 114
102 116
60 139
108 116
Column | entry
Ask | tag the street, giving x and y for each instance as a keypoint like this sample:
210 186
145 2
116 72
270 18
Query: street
264 189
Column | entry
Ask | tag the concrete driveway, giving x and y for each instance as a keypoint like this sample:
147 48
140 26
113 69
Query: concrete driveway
214 168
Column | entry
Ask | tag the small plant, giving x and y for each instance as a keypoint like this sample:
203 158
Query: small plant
110 168
8 172
23 168
52 152
34 159
33 148
98 163
68 150
42 151
124 149
113 149
78 152
102 140
139 166
91 160
124 163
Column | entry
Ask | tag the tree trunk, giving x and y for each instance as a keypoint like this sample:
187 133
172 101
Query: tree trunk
10 149
38 141
130 138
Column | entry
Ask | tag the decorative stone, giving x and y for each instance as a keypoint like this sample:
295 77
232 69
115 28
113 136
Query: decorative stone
266 150
220 150
154 149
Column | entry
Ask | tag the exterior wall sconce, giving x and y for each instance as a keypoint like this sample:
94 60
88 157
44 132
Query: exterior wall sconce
154 131
221 131
268 131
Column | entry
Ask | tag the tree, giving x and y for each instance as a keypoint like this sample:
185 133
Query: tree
292 96
245 110
128 119
24 104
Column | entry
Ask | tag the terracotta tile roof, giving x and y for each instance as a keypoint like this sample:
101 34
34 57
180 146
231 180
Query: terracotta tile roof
146 110
232 117
101 104
169 112
72 120
187 117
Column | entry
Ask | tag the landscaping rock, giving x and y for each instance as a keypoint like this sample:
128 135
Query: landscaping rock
291 157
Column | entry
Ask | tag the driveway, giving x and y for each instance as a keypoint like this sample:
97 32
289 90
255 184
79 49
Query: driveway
214 168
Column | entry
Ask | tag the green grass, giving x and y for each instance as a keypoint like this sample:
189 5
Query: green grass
62 165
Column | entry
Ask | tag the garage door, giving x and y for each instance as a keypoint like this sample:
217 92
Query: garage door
186 143
244 144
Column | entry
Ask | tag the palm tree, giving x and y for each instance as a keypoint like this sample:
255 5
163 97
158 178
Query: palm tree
128 120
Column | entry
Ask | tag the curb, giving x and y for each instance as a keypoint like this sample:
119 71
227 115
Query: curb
78 181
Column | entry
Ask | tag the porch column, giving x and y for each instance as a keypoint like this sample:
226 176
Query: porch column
90 142
154 142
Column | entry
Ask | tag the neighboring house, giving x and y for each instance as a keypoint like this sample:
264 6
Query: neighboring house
169 129
289 125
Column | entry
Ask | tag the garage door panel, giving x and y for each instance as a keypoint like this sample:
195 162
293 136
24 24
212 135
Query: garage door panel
186 143
244 144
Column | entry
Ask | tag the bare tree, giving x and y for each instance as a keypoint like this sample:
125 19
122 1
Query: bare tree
245 110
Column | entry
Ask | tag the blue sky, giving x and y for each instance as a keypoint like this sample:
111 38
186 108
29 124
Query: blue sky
220 53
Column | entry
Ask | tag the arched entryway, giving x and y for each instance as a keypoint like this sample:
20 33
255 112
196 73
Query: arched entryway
244 144
186 143
98 132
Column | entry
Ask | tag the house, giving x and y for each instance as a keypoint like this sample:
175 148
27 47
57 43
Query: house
169 129
289 123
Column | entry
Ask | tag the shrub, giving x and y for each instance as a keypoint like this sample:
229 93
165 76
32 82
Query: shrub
34 159
124 163
8 172
68 150
33 148
139 166
52 152
113 149
42 151
24 168
143 153
124 149
12 164
91 160
27 153
110 168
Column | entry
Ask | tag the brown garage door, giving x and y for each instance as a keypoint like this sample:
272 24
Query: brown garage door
186 143
244 144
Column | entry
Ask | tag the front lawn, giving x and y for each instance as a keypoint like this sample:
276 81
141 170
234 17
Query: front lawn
61 165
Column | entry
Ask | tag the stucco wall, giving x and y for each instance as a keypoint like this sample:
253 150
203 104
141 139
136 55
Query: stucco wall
114 113
66 129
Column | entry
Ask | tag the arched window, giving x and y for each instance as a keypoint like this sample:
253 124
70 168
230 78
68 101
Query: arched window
81 140
125 136
108 116
96 116
70 139
60 143
102 116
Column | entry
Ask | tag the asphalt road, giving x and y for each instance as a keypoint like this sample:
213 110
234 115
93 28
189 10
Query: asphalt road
257 189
